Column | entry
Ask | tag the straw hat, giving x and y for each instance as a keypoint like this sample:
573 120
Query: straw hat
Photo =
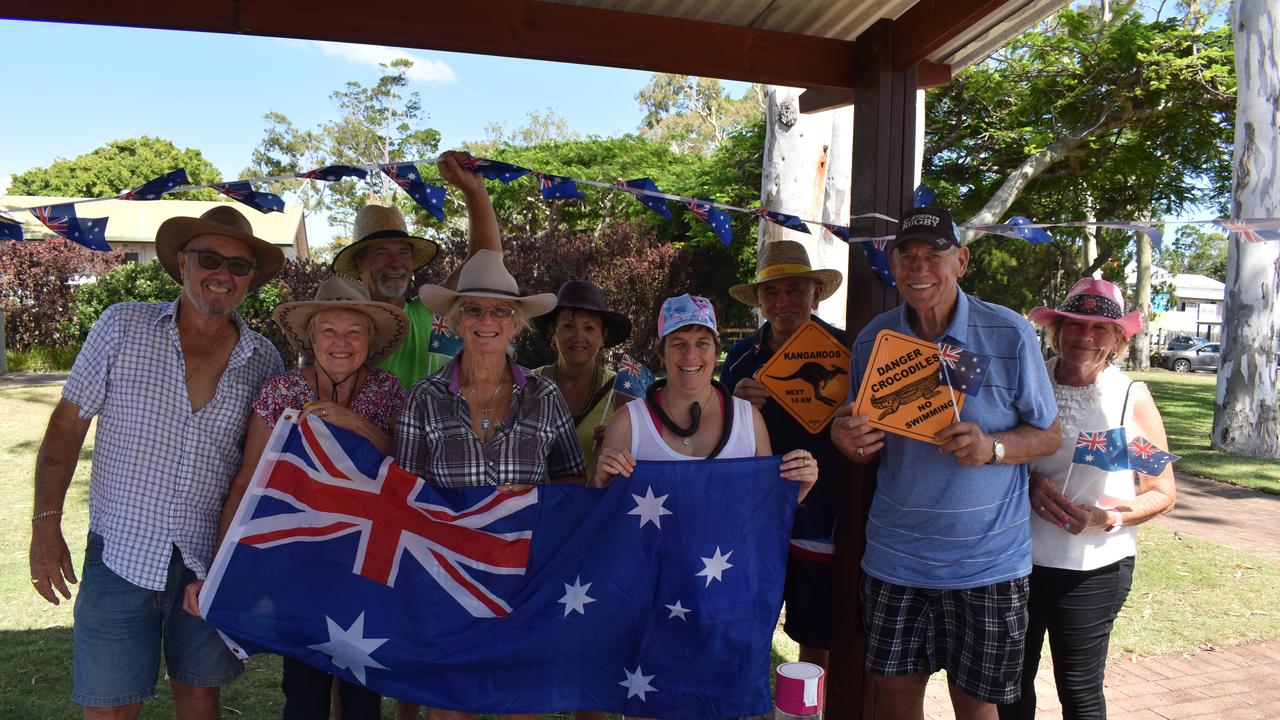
1092 300
587 297
379 222
176 232
784 259
390 325
485 276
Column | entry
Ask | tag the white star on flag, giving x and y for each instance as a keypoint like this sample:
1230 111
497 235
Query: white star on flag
637 683
678 611
1088 458
714 566
350 649
575 597
650 508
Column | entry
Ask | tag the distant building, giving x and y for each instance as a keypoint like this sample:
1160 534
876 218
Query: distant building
1194 309
132 224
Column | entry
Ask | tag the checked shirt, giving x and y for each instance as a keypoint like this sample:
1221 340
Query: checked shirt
160 471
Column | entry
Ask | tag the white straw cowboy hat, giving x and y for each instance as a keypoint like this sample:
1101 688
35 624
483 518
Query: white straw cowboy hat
379 222
390 325
485 276
176 232
785 259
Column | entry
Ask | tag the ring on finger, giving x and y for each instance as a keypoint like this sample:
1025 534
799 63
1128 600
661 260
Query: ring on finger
35 581
861 452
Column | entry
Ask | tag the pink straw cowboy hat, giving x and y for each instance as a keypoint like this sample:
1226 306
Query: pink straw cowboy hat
1092 300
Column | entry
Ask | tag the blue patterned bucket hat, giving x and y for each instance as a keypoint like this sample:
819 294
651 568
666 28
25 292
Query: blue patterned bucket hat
684 310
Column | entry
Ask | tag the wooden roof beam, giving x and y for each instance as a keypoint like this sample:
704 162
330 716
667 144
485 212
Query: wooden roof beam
930 24
512 28
928 75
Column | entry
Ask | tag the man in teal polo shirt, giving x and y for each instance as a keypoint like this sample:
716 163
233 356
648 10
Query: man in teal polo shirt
948 541
384 256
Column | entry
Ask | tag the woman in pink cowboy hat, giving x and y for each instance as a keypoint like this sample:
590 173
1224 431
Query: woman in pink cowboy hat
1082 526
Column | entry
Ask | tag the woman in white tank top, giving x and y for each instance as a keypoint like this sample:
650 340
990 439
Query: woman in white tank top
688 416
1083 517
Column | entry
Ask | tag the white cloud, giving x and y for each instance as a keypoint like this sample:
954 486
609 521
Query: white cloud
424 70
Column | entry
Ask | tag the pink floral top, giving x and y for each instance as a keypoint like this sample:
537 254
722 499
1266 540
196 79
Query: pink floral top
378 401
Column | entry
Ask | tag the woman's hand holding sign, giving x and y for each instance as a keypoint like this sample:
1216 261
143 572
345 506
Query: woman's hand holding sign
854 435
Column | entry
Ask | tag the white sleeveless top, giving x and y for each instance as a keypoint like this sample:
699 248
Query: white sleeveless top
1094 408
647 442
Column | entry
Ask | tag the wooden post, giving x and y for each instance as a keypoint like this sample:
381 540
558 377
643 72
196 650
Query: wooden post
884 128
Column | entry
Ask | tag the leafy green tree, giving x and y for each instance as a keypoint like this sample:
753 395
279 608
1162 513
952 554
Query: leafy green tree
118 166
1196 250
1087 116
695 114
379 123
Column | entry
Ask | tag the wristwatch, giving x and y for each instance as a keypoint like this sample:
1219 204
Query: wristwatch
997 451
1117 520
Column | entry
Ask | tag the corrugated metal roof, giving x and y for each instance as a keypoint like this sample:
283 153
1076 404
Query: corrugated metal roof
133 221
843 19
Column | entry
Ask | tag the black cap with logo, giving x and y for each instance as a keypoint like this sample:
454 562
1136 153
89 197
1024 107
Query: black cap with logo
930 224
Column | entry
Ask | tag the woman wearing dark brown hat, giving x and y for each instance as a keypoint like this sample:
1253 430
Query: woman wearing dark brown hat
344 333
580 326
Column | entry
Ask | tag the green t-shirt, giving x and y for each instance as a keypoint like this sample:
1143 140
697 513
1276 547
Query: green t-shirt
414 359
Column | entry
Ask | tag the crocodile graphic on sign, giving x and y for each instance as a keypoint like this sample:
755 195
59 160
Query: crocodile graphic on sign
817 376
922 389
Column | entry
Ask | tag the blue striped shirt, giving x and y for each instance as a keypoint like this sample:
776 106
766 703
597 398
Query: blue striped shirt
160 471
935 523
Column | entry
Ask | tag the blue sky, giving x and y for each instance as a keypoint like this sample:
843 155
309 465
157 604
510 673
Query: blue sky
78 86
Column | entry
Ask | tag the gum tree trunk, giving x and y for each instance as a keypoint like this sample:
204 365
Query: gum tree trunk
807 166
1245 418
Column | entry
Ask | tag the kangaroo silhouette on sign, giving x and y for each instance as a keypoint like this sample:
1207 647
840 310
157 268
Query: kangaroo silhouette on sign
817 376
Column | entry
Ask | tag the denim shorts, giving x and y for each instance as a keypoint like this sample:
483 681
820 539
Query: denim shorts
119 628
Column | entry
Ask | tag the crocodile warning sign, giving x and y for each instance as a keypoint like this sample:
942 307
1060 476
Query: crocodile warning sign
902 390
808 375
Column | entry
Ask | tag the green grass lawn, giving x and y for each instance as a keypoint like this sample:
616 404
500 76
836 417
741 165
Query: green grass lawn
1187 593
1186 404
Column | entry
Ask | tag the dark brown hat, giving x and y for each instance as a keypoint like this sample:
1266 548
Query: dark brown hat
587 296
175 233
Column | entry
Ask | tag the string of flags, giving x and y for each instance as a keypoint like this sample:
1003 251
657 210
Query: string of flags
62 219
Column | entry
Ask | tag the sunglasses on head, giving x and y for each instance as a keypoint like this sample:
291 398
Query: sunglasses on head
477 312
210 260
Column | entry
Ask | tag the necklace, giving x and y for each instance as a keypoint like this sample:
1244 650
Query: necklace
485 421
591 391
695 419
203 358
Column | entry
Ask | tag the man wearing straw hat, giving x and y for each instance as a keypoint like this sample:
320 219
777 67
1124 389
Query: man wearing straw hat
948 538
171 385
384 256
787 290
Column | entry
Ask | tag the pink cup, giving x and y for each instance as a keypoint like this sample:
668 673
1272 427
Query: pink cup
801 687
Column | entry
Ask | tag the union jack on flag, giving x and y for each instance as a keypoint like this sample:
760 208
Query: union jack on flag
1243 229
839 231
633 378
439 325
880 243
555 187
478 598
1105 450
62 220
1147 458
333 173
717 220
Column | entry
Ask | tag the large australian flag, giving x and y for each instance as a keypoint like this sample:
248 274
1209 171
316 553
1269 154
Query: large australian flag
656 597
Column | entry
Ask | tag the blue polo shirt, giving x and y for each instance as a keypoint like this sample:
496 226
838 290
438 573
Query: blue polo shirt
935 523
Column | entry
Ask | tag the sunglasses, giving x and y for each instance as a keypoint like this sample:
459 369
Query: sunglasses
477 312
210 260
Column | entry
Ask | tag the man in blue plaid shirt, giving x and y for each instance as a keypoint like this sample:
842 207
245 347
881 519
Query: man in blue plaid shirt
171 385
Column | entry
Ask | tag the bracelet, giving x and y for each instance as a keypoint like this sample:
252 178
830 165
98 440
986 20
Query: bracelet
45 514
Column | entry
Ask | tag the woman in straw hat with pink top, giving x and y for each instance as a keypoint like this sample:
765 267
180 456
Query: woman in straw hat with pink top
344 333
1082 517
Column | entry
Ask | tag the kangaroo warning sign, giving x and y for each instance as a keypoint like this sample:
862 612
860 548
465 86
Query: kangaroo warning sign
902 391
808 375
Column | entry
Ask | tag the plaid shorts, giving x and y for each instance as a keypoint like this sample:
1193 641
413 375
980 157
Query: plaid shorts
977 634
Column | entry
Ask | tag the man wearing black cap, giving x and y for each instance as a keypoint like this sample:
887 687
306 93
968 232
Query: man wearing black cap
948 541
171 385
